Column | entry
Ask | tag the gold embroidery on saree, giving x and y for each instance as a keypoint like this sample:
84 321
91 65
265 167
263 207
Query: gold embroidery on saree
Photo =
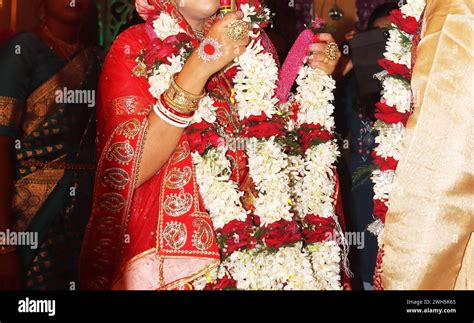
121 152
127 105
180 153
161 243
30 193
177 205
130 129
203 236
111 202
43 100
107 226
175 234
177 179
116 178
10 112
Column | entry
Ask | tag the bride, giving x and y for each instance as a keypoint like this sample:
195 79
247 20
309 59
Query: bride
167 101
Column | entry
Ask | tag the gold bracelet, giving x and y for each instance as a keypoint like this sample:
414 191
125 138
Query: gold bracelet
4 250
180 99
192 97
181 106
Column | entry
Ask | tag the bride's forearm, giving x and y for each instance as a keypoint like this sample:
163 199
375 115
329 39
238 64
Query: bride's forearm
162 138
194 75
159 143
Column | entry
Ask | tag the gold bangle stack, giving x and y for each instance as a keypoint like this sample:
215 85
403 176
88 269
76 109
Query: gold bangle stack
181 100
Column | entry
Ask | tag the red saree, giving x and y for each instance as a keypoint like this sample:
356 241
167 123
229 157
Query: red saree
157 236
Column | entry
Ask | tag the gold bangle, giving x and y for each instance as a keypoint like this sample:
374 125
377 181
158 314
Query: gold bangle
178 104
189 95
4 250
180 96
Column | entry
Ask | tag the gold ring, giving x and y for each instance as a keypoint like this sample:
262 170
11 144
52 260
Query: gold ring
238 30
331 51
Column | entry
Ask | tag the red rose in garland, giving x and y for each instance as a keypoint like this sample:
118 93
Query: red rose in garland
322 229
380 209
384 163
159 52
309 133
281 233
407 24
389 114
395 68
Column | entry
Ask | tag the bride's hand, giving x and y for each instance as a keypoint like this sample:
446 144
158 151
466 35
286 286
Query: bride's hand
226 48
318 58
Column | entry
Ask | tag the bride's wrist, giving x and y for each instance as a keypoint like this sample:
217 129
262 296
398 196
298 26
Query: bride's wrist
193 77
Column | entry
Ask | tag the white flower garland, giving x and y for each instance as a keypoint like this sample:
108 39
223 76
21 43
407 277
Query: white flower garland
315 190
206 110
413 8
250 14
389 139
326 262
315 183
164 26
396 52
160 80
287 269
268 166
220 194
314 95
383 183
255 85
396 93
255 82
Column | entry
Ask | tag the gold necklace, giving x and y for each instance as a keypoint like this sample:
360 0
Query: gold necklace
59 46
199 34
